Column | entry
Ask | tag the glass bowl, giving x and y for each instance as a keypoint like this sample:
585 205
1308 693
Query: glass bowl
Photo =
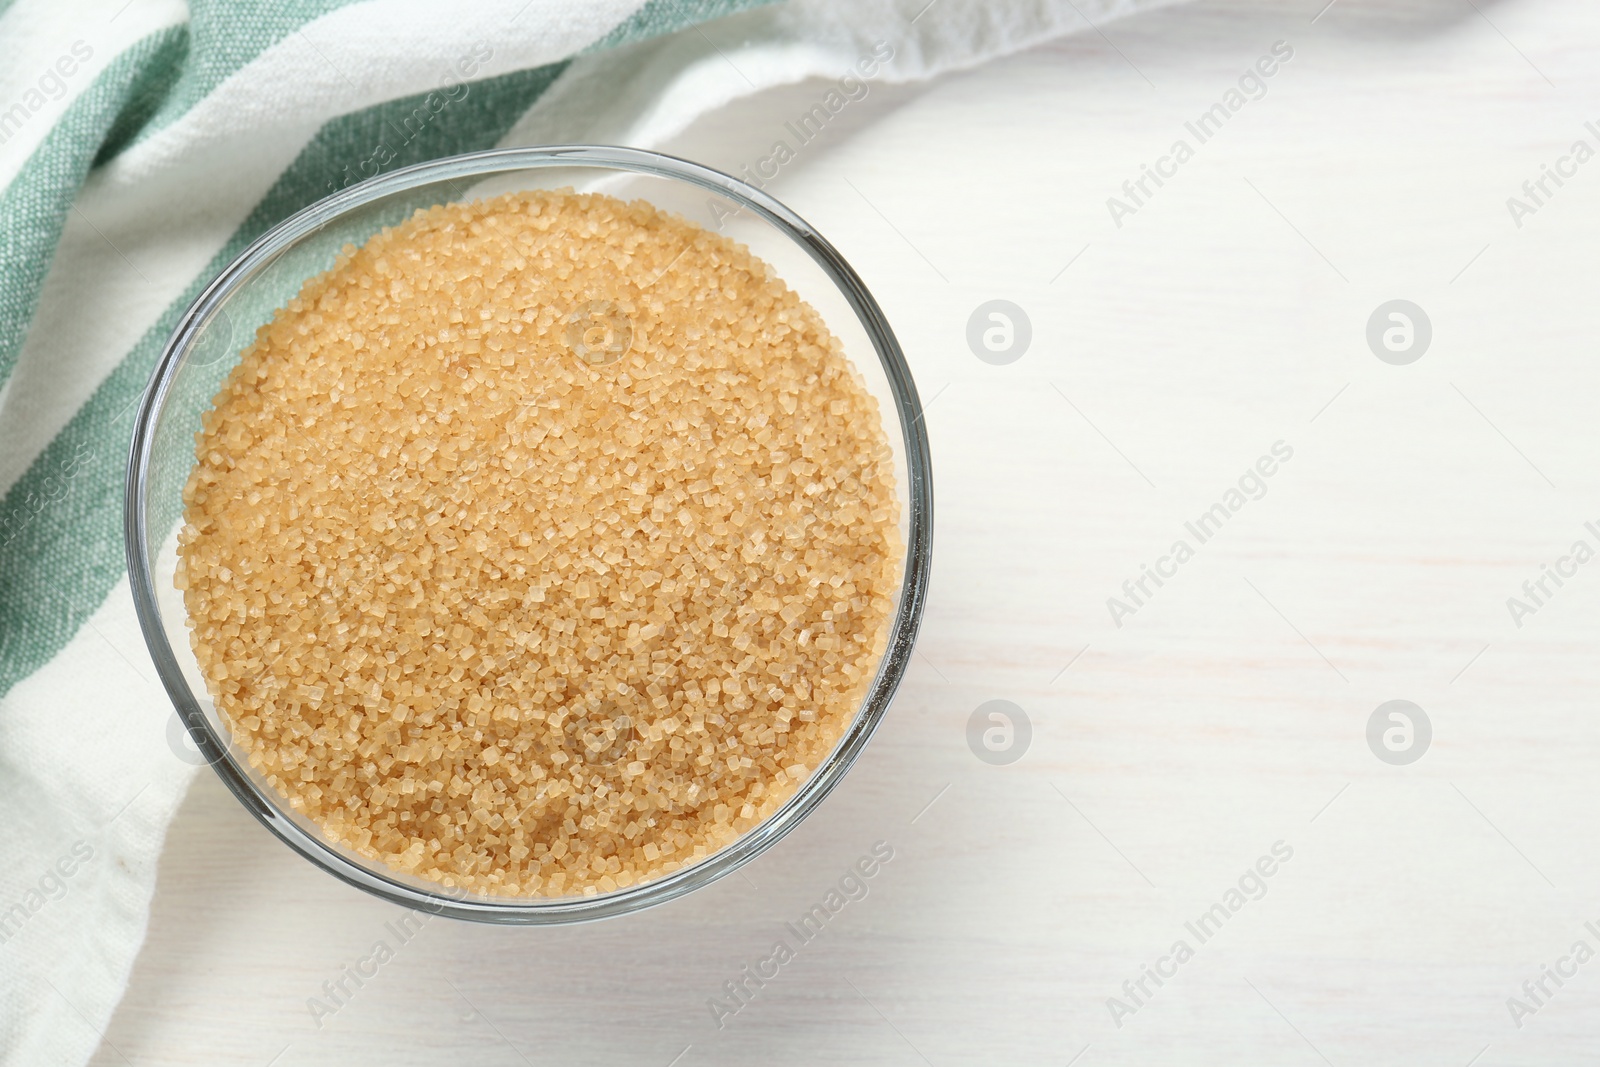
206 345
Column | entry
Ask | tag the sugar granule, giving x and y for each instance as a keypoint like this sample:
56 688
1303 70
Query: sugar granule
542 546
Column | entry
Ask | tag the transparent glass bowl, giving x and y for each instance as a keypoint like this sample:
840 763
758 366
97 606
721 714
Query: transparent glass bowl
206 345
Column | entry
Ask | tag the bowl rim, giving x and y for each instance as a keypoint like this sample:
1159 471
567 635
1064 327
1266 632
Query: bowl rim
537 910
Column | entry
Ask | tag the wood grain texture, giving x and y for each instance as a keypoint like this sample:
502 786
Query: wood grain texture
1229 712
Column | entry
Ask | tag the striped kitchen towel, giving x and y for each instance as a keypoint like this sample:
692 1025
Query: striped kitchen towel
143 145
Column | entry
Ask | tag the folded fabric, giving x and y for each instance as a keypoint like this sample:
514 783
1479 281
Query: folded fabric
143 145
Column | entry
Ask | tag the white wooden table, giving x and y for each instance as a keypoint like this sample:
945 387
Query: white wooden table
1229 711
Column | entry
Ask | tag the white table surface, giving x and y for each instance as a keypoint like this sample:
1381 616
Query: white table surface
1229 713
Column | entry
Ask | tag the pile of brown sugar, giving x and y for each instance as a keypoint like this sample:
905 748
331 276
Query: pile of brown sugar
542 546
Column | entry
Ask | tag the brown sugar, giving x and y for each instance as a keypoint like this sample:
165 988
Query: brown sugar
542 546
